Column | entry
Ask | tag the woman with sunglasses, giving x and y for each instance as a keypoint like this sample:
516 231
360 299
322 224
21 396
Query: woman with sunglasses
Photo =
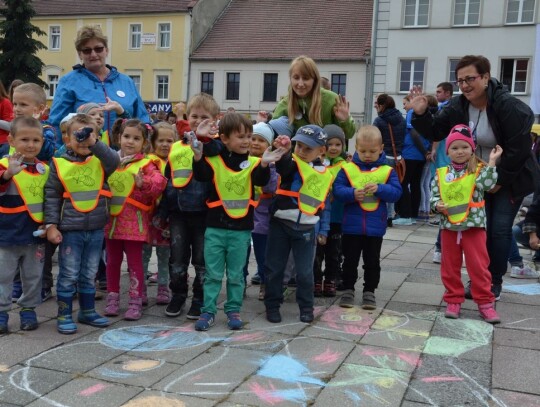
95 81
495 117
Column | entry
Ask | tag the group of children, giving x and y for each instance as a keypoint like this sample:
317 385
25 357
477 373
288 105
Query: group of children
202 200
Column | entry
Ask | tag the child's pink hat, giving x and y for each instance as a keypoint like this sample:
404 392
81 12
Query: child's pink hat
460 132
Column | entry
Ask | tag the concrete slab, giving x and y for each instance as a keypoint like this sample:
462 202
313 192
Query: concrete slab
516 399
512 369
384 358
420 293
517 338
162 399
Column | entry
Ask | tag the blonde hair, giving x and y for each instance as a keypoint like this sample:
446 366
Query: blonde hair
203 101
162 126
475 163
34 90
83 119
368 133
87 33
307 67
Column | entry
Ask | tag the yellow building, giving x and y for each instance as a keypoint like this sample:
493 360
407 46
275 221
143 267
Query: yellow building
149 41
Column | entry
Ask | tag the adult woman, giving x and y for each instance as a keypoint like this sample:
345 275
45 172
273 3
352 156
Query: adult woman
309 103
95 81
6 115
389 117
496 117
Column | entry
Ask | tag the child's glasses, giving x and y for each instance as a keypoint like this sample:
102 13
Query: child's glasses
88 51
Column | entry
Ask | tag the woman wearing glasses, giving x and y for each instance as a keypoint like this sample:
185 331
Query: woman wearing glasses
95 81
496 117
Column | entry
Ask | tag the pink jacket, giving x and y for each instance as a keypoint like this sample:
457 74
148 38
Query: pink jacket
133 223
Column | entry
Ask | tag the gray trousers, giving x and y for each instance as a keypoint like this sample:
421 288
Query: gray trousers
30 258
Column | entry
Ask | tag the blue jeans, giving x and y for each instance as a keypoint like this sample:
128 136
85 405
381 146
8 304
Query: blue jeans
259 247
78 260
501 209
281 239
514 258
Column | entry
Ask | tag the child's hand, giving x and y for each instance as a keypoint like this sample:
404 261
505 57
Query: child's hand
441 207
282 141
111 105
139 178
196 145
207 128
321 240
341 108
494 155
270 156
262 116
15 165
54 235
534 242
359 195
371 188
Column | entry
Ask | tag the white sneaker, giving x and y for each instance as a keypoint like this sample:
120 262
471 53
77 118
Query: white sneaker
524 272
437 257
403 221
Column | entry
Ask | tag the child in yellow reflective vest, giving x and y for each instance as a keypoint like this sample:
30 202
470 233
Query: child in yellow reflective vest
458 195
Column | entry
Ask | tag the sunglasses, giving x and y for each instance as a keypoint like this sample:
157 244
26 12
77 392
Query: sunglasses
88 51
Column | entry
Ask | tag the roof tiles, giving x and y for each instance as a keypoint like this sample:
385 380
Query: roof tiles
99 7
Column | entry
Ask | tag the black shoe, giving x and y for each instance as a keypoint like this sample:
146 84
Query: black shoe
292 282
496 290
46 294
256 279
176 306
273 316
468 293
195 310
389 222
307 315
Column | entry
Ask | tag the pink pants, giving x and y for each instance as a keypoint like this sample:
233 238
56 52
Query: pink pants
115 254
471 242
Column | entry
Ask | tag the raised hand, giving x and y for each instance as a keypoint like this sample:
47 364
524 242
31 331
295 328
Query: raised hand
418 100
262 116
270 156
139 178
15 164
207 128
341 108
495 154
282 141
111 105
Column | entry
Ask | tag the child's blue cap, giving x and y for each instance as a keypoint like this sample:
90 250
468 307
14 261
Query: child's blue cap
281 126
311 135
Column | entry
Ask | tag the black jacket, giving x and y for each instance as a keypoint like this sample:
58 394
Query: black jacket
391 117
511 121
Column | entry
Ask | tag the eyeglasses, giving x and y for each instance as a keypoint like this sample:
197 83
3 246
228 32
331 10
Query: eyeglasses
88 51
468 80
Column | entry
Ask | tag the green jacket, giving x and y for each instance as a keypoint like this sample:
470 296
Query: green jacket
327 113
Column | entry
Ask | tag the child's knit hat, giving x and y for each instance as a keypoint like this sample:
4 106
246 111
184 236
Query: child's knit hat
85 109
68 117
311 135
460 132
281 126
334 131
265 131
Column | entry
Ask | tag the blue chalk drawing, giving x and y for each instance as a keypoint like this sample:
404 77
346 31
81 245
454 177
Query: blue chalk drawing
526 289
288 370
105 371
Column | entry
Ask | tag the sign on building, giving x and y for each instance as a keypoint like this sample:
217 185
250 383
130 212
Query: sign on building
148 38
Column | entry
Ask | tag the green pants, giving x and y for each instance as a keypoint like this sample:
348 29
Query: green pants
224 251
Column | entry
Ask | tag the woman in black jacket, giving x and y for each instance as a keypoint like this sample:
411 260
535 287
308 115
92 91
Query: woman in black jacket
496 117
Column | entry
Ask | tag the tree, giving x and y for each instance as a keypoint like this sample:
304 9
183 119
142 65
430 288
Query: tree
18 59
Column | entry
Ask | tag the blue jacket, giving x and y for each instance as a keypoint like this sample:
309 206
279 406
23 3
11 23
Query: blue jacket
356 221
410 150
81 86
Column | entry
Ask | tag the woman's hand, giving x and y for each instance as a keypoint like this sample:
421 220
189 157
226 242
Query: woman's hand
534 242
494 155
418 100
341 108
112 105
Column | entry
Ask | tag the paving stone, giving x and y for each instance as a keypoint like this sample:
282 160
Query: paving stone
419 293
516 399
263 341
519 316
517 338
384 358
512 369
18 347
390 280
161 399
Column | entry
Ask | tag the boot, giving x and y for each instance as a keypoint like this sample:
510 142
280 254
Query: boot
113 304
87 312
134 311
64 323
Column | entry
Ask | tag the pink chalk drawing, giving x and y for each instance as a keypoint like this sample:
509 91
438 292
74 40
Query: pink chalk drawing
436 379
267 395
327 357
348 320
247 337
411 358
93 389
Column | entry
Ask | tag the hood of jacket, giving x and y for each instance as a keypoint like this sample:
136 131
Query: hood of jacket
392 116
368 166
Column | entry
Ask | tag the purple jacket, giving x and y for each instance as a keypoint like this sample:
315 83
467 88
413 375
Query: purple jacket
261 215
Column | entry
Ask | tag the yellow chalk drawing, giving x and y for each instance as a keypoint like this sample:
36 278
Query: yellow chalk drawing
4 368
140 365
152 401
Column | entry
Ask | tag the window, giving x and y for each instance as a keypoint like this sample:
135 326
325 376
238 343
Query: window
162 82
466 12
416 13
514 74
54 38
411 73
452 74
164 34
270 87
339 83
135 34
207 82
233 86
52 81
520 11
137 81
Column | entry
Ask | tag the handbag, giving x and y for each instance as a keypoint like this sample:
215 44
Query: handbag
400 164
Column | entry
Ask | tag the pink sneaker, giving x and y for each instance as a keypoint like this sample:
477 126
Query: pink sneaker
153 279
487 311
163 296
452 310
134 311
113 305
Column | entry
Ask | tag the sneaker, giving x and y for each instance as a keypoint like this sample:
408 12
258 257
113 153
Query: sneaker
195 309
496 290
152 279
329 289
368 300
176 306
4 317
134 311
205 321
434 222
163 296
256 279
273 316
403 221
262 292
347 299
437 257
524 272
468 293
488 313
234 322
306 315
340 286
17 291
46 294
113 305
452 310
28 319
318 290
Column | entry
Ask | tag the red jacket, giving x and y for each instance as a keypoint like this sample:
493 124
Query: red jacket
6 113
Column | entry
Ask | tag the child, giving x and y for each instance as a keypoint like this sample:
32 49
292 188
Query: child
184 205
458 195
230 218
22 177
135 186
301 198
261 139
162 138
330 252
365 185
76 211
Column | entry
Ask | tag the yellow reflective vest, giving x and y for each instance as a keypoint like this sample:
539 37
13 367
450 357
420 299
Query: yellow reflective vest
314 189
233 187
358 179
104 136
30 188
457 194
122 183
82 181
160 162
180 162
